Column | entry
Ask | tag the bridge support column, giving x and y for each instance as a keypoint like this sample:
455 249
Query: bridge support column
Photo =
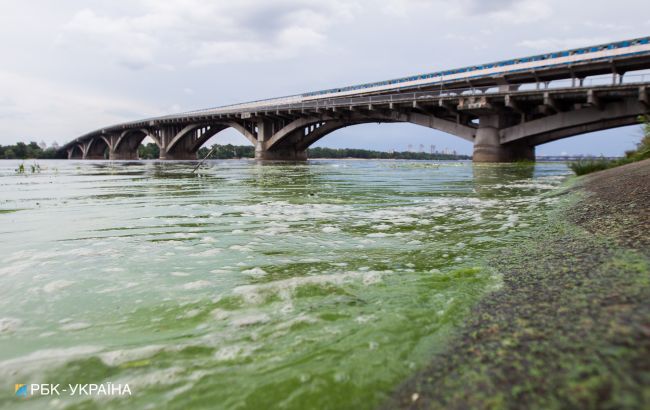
75 152
287 152
94 148
125 150
283 154
181 151
488 148
123 155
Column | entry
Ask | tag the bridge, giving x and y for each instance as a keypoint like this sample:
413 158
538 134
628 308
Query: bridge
505 109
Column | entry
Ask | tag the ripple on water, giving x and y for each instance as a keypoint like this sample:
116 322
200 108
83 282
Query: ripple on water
251 283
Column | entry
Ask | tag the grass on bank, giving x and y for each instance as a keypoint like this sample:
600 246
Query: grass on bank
587 166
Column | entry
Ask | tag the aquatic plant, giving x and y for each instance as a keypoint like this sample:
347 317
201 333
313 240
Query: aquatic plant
587 166
642 151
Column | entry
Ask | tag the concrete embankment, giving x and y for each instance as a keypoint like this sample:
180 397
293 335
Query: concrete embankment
570 328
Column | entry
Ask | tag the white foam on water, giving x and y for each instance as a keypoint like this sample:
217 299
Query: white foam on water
209 252
255 294
526 185
300 319
121 356
371 278
199 284
190 314
9 324
220 271
255 272
36 359
16 268
74 326
113 270
250 319
57 285
287 309
228 353
220 314
331 229
138 382
361 319
377 235
240 248
184 235
179 274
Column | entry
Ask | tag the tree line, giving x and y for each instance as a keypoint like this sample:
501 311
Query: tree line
230 151
32 150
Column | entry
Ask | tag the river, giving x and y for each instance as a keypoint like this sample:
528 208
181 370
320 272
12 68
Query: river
247 286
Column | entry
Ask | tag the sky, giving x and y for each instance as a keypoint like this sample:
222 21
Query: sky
73 66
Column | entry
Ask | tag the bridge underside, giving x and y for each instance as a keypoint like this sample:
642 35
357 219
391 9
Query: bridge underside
503 127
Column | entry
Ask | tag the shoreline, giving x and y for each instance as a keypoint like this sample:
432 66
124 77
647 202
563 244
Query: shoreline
569 328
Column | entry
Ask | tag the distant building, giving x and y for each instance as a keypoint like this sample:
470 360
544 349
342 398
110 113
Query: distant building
55 145
43 145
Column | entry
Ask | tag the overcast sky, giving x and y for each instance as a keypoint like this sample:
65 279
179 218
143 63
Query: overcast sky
69 67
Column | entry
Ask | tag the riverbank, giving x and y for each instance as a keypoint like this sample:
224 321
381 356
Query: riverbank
570 327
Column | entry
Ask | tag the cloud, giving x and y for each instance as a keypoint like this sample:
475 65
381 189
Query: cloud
46 110
504 11
202 32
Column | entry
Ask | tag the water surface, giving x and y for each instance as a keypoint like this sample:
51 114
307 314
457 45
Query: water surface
248 286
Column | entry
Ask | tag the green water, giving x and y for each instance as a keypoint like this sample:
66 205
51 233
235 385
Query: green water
249 286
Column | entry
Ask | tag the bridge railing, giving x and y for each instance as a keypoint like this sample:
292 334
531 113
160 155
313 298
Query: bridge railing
342 102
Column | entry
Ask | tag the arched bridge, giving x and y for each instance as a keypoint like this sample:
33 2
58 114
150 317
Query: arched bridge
505 109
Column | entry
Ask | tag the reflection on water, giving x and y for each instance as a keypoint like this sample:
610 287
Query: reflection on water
317 285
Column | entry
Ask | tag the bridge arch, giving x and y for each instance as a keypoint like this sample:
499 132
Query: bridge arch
185 143
97 148
303 132
576 122
133 138
124 146
75 152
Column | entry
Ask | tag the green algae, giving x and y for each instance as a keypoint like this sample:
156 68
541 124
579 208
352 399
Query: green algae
567 330
247 291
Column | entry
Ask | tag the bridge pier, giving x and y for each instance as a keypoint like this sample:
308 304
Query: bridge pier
283 154
488 147
289 151
123 156
121 148
95 149
180 150
75 152
178 155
